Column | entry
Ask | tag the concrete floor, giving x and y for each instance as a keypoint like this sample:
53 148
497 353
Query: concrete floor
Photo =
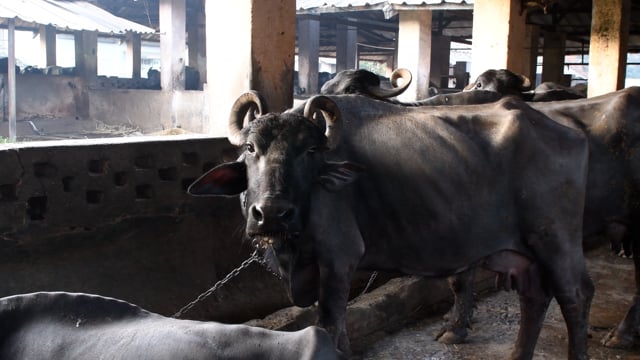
496 322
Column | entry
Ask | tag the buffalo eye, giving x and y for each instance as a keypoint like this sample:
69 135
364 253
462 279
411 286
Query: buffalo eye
250 148
478 85
312 150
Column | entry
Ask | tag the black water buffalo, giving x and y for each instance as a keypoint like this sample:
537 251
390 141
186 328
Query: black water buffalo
428 190
63 326
364 82
611 123
507 82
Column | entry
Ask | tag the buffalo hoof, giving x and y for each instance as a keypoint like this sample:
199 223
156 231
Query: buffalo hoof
618 341
451 337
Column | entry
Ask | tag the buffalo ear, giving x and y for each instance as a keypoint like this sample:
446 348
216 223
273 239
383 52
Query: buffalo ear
334 176
227 179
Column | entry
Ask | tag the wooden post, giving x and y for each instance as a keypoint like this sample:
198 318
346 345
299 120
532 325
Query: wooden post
48 45
172 44
86 45
196 40
346 43
11 73
440 55
531 54
608 46
553 56
308 53
134 54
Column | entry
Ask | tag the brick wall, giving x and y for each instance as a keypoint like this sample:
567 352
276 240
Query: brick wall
111 216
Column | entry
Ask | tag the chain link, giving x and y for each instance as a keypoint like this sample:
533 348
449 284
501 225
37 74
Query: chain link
254 257
372 278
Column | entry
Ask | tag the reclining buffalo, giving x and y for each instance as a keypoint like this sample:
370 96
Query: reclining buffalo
507 82
65 326
428 190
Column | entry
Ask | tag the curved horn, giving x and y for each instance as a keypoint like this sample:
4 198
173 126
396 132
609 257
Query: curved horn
332 116
246 102
526 83
403 74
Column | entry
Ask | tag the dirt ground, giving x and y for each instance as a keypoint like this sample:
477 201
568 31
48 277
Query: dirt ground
496 321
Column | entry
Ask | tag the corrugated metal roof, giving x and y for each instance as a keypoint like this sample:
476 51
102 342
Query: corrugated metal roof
324 6
66 16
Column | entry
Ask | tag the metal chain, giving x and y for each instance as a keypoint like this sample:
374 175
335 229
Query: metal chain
255 257
216 286
372 278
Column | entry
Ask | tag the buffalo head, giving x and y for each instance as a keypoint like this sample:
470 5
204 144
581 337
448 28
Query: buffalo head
503 81
282 161
364 82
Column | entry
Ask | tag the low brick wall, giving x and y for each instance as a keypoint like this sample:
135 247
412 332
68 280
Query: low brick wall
112 217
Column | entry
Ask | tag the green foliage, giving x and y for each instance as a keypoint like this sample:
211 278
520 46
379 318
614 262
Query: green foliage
373 66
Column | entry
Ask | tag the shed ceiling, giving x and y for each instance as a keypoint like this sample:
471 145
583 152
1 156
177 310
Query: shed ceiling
67 16
377 21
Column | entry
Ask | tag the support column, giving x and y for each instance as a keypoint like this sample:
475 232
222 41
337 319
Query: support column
48 45
11 77
530 55
197 46
498 36
553 56
346 43
86 46
608 47
172 44
308 53
134 54
414 51
263 55
440 53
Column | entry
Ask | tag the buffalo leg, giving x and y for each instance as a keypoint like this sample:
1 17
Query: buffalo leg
575 305
534 302
458 319
624 335
564 272
332 306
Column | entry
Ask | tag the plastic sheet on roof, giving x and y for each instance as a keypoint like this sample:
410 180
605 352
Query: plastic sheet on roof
311 4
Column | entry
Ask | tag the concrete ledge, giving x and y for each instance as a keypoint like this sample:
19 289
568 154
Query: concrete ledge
386 308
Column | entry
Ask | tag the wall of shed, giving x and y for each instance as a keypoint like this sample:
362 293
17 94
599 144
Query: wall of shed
69 97
112 217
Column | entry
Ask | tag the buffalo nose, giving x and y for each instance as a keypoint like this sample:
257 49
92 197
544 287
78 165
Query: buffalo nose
278 213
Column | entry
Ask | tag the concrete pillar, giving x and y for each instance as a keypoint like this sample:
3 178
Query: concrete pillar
346 44
498 36
553 56
608 46
172 44
263 43
440 54
414 51
308 53
11 78
86 46
48 45
530 55
134 54
196 40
